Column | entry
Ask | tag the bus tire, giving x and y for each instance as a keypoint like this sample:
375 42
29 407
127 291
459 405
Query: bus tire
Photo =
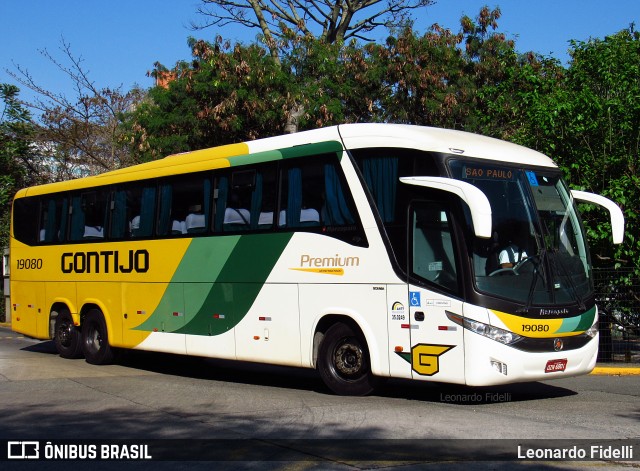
343 362
95 339
66 336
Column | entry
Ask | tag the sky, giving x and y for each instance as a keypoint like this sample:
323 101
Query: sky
120 40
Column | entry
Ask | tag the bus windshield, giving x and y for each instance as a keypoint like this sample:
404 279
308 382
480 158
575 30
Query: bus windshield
537 254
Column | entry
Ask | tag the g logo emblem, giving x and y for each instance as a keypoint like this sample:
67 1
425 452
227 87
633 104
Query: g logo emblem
425 358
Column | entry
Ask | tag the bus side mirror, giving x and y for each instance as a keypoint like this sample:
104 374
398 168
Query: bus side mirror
476 200
617 218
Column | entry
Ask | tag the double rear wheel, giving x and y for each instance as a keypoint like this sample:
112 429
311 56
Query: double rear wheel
91 340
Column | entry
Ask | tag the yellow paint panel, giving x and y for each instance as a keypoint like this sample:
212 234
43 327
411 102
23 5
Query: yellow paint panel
86 273
199 160
27 316
139 300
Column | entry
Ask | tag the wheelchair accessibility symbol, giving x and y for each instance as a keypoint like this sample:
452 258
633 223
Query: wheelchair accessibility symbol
414 298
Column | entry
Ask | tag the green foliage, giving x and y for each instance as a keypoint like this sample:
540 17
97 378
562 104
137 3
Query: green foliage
226 94
16 157
589 122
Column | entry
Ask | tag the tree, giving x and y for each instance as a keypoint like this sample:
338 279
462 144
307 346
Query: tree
18 166
81 135
225 94
329 20
590 124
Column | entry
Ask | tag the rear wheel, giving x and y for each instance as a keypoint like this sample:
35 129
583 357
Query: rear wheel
343 362
67 337
95 340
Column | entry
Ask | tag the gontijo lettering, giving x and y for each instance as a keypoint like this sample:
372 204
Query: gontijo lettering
105 261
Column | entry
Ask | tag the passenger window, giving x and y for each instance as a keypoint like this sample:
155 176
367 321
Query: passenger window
185 205
245 199
133 211
313 195
89 215
25 225
54 211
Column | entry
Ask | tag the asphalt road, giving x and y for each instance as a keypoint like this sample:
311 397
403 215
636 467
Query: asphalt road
156 396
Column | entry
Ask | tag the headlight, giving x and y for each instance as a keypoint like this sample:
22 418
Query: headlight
593 330
494 333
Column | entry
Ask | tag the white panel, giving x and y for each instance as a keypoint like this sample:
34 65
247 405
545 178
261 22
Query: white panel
270 332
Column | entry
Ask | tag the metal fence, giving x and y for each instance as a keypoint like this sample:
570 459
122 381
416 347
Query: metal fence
618 299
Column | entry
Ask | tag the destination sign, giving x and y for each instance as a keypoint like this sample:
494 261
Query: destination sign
488 173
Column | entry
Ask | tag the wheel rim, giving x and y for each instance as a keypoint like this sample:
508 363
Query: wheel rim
65 333
348 359
94 339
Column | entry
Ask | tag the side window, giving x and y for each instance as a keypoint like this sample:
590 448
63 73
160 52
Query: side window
89 215
184 205
313 194
25 222
432 250
54 212
245 199
133 211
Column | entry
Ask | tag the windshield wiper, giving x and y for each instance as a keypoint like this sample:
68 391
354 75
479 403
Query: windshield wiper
537 273
559 267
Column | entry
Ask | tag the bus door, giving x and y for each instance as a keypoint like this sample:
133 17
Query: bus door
437 347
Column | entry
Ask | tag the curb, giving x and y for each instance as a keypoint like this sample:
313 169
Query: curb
615 371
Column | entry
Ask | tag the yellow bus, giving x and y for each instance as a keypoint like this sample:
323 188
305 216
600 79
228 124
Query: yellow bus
365 251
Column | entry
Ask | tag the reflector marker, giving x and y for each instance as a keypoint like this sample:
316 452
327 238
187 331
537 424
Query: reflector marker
263 318
218 316
178 314
451 328
409 326
141 312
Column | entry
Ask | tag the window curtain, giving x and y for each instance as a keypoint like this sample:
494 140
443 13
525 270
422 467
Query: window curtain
119 214
256 202
381 176
147 209
294 197
64 215
221 202
77 218
164 221
50 227
336 210
207 202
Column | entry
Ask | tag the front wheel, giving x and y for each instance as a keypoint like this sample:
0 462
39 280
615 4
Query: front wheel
343 362
95 339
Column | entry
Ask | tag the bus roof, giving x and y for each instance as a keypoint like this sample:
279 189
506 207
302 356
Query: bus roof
354 136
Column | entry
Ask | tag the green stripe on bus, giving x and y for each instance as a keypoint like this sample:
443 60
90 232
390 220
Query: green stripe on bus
328 147
237 287
256 158
216 283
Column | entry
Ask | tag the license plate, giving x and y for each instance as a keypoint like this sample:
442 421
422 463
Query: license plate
555 365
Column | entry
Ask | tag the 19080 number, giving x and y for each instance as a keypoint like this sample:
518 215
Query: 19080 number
535 328
29 263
